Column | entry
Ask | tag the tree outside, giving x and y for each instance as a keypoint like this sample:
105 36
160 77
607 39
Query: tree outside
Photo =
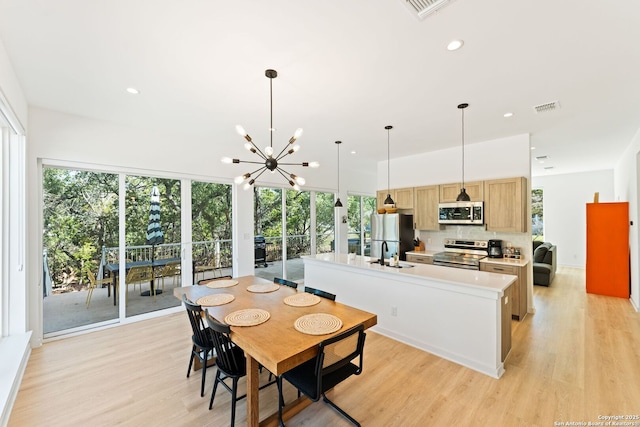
537 218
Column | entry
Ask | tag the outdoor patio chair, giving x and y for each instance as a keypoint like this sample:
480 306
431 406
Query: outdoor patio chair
173 270
217 271
330 367
138 275
93 283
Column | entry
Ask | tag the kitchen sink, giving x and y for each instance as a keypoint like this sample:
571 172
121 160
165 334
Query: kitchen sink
386 264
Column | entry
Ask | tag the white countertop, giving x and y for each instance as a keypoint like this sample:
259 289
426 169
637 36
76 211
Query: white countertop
470 278
505 261
423 253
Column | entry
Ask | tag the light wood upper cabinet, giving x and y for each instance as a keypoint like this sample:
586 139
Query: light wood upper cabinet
505 205
382 194
449 192
425 208
404 198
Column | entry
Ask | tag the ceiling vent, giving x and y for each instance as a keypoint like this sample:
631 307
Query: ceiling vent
548 106
424 8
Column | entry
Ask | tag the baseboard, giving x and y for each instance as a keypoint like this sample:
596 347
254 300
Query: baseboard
15 350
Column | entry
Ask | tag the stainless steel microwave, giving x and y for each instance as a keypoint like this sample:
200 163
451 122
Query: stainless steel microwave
469 213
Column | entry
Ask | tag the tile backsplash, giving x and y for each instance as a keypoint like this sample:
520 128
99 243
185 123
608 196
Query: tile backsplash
433 240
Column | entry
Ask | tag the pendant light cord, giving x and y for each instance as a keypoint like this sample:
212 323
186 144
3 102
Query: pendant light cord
462 147
271 112
388 164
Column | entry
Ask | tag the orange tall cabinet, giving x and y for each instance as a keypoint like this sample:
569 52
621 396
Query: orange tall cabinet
608 249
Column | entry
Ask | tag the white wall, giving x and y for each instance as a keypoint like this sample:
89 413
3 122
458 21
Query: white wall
565 198
14 327
498 158
10 89
626 175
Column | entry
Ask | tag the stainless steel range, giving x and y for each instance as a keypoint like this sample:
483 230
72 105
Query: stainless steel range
462 253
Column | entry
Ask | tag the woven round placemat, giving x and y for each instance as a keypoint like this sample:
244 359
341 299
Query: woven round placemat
263 288
317 324
302 299
215 299
247 317
221 283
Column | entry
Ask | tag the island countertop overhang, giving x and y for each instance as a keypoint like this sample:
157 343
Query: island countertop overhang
473 281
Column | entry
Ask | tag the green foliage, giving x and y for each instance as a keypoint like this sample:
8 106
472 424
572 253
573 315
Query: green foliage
268 218
80 214
211 211
138 196
537 218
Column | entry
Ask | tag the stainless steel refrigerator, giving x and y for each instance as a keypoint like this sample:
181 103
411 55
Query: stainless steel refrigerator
396 230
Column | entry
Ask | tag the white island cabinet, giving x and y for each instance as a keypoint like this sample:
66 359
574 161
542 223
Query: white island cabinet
460 315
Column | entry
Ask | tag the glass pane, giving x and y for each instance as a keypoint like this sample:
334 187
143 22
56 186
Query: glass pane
152 243
298 232
211 229
368 208
354 224
324 222
268 232
537 217
80 225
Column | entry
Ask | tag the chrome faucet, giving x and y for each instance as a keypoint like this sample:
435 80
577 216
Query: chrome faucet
383 248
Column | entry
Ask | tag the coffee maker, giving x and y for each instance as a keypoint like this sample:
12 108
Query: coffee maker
495 248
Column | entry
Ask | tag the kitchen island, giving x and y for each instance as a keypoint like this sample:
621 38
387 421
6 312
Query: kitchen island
460 315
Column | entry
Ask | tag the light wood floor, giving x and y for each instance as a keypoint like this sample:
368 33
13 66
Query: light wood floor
577 358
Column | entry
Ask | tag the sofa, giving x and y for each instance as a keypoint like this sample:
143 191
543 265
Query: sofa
544 263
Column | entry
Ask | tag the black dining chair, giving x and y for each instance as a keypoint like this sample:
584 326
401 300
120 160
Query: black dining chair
285 282
230 360
202 347
330 367
320 293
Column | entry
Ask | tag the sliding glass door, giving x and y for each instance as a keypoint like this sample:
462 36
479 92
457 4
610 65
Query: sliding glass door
86 279
211 229
152 244
80 222
292 224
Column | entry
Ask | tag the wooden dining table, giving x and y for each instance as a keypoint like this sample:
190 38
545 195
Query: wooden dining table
274 344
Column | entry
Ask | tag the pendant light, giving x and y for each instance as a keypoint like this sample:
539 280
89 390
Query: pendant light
338 202
388 202
463 196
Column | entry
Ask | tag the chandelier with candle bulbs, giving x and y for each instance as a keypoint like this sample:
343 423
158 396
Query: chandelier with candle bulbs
269 161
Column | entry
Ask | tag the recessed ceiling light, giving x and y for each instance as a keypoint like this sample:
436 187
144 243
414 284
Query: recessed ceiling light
455 44
353 151
133 91
508 114
533 148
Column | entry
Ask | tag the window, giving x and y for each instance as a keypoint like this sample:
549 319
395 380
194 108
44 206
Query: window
537 214
359 213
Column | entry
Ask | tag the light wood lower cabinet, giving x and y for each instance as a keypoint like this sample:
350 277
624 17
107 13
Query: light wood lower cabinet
518 288
421 259
507 307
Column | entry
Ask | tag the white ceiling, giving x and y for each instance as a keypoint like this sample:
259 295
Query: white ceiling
346 69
